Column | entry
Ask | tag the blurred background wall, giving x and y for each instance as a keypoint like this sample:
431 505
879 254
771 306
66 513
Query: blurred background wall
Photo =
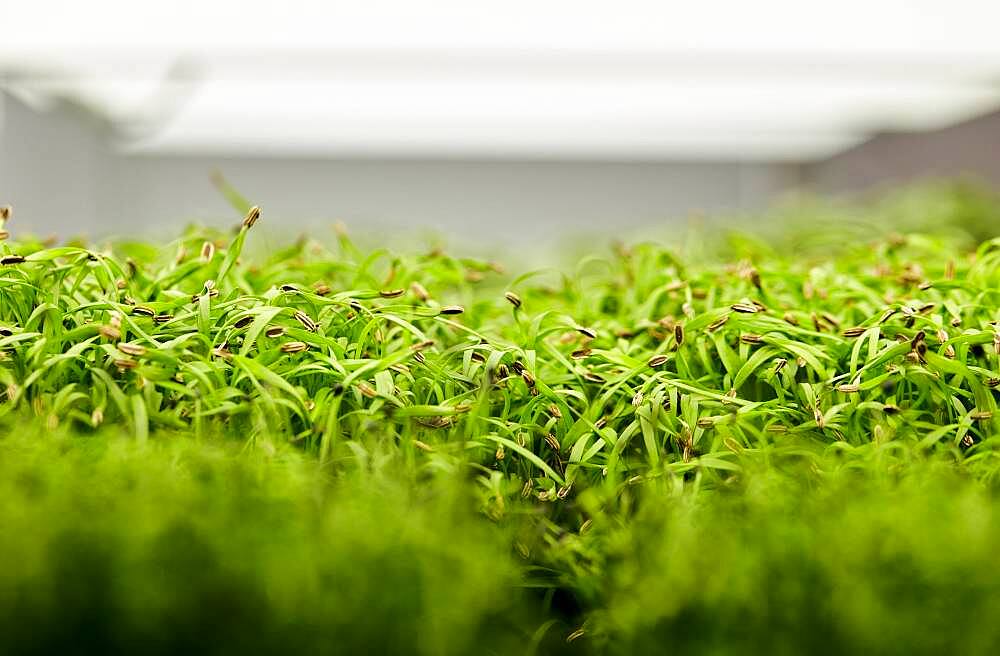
510 122
64 175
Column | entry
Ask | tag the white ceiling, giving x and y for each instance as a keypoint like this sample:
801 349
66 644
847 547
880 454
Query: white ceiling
771 79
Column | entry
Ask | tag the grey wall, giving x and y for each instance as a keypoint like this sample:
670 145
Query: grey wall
513 201
63 176
53 167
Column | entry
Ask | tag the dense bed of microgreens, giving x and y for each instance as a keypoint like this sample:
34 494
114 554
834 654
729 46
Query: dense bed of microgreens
786 440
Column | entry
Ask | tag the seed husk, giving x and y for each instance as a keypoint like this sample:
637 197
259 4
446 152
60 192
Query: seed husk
251 217
452 309
306 321
143 311
430 422
419 291
555 411
657 360
207 251
580 354
513 299
9 260
857 331
830 319
744 308
392 293
132 349
276 331
211 293
586 332
294 347
718 323
751 338
887 315
678 334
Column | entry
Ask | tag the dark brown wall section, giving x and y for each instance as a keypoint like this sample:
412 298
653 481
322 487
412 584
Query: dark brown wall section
969 149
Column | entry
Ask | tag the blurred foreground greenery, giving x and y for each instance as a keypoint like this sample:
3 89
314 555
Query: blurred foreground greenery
182 546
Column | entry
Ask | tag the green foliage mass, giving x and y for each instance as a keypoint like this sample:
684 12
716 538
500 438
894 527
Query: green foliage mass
781 442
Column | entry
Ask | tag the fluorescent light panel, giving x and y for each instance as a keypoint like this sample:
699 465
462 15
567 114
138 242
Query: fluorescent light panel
773 79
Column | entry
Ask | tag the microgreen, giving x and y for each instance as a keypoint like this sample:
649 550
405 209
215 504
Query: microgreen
647 376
